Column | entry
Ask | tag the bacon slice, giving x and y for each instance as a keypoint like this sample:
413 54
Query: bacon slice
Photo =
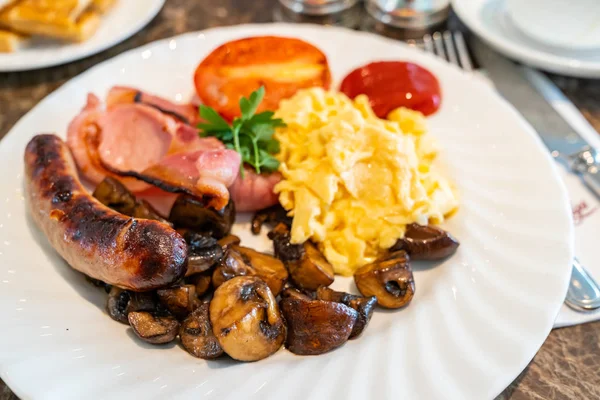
203 173
255 191
186 113
147 147
134 137
84 138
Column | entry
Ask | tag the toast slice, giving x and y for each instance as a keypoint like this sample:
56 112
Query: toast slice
102 6
6 3
61 19
85 27
11 41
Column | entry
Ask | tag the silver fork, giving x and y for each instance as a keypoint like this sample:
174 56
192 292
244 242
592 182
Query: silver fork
584 292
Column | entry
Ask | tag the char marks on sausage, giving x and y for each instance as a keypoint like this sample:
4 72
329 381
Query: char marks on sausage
130 253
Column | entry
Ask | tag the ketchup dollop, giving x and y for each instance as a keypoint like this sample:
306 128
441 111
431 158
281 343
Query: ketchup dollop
393 84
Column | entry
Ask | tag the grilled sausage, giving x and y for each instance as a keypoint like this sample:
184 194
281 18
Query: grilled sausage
131 253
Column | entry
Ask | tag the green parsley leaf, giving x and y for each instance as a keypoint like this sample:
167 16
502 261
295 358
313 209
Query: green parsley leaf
214 121
251 135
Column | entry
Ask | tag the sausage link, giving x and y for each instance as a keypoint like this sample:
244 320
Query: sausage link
134 254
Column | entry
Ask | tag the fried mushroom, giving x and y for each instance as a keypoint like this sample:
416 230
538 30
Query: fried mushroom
307 266
243 261
246 319
197 337
152 327
121 302
312 269
201 281
115 195
389 279
316 326
295 294
426 243
272 215
282 246
203 252
191 212
364 306
180 301
228 241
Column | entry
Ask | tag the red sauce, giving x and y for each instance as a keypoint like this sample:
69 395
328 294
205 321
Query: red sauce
393 84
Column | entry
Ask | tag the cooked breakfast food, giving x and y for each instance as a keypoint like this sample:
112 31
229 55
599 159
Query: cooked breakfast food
11 41
237 68
130 253
340 187
353 181
64 20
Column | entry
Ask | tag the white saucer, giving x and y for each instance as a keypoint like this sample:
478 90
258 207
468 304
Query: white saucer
490 20
123 21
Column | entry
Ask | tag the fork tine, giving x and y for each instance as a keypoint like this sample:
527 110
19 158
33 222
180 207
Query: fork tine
450 49
428 44
439 45
463 53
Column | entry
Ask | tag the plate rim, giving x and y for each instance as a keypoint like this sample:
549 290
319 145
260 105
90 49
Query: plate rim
526 127
547 62
75 55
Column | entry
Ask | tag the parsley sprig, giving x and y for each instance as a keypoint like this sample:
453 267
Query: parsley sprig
251 135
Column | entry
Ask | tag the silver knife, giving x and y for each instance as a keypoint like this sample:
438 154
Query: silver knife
564 144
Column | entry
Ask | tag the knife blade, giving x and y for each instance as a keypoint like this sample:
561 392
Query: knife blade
558 136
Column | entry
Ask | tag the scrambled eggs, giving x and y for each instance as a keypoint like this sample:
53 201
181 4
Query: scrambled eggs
353 181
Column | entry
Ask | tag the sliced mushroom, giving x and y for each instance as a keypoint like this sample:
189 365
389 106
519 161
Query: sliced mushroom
312 269
242 261
282 246
426 243
203 252
364 306
316 326
271 215
295 294
201 281
228 241
121 302
390 279
232 264
197 335
154 328
180 301
307 266
115 195
191 212
246 319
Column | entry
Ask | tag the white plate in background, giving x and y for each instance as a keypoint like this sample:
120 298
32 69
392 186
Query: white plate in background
490 20
574 25
476 320
125 19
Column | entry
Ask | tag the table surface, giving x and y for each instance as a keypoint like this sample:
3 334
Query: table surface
568 364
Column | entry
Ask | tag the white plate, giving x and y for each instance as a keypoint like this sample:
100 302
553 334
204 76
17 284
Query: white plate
489 19
476 320
123 21
573 26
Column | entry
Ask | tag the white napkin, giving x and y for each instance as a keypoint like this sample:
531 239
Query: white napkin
586 206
